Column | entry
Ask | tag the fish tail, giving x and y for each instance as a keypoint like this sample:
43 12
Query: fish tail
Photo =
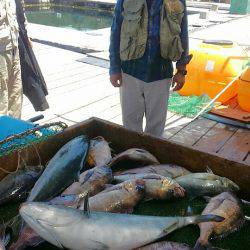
247 203
247 218
203 218
4 236
205 246
202 245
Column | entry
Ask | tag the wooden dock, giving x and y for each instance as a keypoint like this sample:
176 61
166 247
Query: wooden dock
79 90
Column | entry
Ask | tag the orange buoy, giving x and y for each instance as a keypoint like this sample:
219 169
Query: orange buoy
244 90
214 65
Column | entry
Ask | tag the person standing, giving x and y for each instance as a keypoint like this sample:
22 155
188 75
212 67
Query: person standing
10 73
146 37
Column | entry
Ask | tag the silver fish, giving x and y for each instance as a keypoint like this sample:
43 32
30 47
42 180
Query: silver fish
62 170
166 170
73 229
165 245
119 198
99 152
15 187
156 186
227 205
206 184
134 157
91 181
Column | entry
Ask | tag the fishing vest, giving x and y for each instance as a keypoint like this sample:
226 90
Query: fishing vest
134 29
8 25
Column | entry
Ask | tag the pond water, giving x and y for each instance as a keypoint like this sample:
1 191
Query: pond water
68 17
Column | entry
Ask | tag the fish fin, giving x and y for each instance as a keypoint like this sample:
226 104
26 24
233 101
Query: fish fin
87 176
8 235
86 205
244 202
207 198
126 211
189 211
247 218
171 228
146 199
192 197
216 248
203 218
209 170
99 245
5 234
152 176
207 246
80 198
2 231
202 246
238 225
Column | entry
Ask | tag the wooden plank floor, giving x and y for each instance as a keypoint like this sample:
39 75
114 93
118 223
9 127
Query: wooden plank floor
78 91
231 109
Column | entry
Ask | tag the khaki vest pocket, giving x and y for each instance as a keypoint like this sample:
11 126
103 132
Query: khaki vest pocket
171 18
133 30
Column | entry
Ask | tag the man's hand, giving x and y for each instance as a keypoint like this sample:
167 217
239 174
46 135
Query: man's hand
30 42
116 80
179 80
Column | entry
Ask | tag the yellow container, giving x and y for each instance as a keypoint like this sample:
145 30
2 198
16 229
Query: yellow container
244 90
214 65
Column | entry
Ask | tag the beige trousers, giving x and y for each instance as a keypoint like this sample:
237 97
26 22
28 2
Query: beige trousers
11 95
150 99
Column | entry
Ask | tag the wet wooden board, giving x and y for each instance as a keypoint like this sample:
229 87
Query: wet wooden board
101 55
232 110
73 97
237 147
174 124
96 108
193 131
215 138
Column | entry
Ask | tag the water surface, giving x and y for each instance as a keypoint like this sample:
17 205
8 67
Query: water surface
68 17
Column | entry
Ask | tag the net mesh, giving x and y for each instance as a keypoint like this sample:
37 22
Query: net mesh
29 137
188 106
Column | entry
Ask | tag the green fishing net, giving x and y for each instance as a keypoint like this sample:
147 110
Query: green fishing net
30 137
188 106
246 64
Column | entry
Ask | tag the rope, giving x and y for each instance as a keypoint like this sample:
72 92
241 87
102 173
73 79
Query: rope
18 165
39 157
